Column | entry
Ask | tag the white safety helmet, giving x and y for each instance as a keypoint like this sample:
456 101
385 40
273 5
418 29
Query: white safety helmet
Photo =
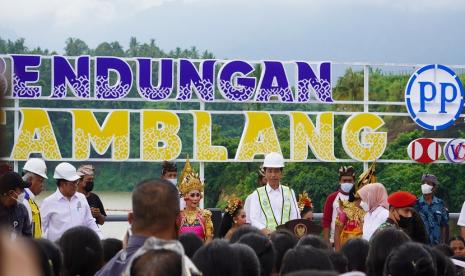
273 160
66 171
37 166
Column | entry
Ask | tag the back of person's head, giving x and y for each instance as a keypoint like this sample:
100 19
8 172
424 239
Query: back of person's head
410 259
314 241
339 261
217 258
157 262
305 257
191 243
381 245
283 240
82 251
312 272
243 230
444 249
45 268
444 265
250 265
264 250
111 246
54 255
356 251
155 205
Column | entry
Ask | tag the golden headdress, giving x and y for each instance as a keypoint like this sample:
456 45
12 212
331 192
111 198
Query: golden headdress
304 201
233 204
190 180
366 177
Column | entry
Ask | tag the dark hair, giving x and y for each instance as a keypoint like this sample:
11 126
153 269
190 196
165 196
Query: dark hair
244 230
457 238
168 167
53 253
42 258
155 205
283 240
313 241
111 246
339 261
228 220
381 245
217 258
444 249
305 257
157 262
264 250
312 272
250 265
346 171
191 243
410 259
444 265
356 251
82 251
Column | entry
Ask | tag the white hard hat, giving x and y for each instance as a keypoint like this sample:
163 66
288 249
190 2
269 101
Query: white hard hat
37 166
66 171
273 160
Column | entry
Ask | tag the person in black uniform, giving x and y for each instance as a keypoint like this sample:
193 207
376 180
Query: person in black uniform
85 186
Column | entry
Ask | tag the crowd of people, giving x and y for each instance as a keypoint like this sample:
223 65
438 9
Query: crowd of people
364 230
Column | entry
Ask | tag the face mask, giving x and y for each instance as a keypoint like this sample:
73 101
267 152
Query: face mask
173 181
20 198
405 222
346 187
364 206
426 189
89 186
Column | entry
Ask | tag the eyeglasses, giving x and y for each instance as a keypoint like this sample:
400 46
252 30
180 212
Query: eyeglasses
72 182
194 194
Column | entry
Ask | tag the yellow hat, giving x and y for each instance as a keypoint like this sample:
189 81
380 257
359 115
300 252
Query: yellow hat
190 180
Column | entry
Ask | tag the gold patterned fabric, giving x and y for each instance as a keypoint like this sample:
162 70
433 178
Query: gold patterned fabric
350 218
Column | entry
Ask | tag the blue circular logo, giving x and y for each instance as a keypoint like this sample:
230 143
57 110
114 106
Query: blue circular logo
434 97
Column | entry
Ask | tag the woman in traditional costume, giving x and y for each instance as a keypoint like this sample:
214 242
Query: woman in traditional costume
305 205
234 216
192 218
350 216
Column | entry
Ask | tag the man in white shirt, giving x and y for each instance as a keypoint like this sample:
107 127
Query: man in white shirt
169 172
461 221
35 172
272 204
66 208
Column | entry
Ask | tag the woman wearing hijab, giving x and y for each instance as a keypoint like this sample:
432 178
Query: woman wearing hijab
374 203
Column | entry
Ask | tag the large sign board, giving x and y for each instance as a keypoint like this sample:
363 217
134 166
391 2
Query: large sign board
111 79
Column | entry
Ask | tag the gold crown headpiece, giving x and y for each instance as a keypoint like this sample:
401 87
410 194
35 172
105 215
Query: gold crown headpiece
190 180
304 201
366 177
233 204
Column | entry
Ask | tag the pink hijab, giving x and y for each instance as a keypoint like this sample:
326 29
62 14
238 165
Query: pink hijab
374 195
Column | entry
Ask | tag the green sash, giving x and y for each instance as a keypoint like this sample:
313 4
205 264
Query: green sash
271 222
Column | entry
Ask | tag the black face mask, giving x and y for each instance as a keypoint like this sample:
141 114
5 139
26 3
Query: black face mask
405 222
89 186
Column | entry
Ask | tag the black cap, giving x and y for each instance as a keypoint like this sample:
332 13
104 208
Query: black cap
10 181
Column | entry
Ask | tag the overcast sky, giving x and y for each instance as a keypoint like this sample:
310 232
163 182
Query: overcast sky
410 31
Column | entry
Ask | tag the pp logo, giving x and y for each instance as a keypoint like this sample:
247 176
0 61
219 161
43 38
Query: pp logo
424 150
434 97
454 151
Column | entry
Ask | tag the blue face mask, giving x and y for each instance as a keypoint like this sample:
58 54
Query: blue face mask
346 187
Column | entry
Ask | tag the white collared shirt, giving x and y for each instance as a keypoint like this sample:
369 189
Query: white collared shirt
373 220
60 214
257 217
26 203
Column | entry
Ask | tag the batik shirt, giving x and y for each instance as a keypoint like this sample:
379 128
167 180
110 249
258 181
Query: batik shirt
434 216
